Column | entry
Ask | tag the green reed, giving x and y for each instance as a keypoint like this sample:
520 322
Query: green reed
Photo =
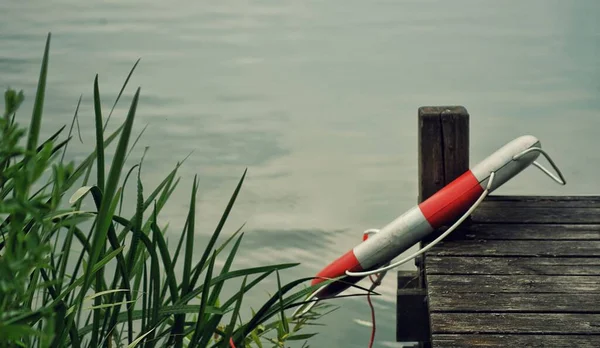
125 268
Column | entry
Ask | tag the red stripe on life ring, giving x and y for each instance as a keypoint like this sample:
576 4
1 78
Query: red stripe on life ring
452 201
337 268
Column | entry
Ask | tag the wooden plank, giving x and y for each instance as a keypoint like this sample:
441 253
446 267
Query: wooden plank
503 341
513 265
550 324
448 285
487 213
516 302
551 248
580 201
531 231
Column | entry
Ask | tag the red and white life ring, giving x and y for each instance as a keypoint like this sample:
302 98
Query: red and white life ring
443 207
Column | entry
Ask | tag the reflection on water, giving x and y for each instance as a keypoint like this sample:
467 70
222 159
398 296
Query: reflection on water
318 99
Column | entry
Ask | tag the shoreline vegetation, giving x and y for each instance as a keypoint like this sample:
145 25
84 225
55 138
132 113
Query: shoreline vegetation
56 287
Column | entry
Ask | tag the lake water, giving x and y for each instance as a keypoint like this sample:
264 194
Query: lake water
318 99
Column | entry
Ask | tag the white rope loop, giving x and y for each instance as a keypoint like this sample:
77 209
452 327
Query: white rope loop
560 179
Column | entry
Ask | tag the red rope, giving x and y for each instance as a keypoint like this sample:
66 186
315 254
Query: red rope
372 319
231 344
372 312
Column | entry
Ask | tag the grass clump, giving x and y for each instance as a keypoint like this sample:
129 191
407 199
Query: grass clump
122 289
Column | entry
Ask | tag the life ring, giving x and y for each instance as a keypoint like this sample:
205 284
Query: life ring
446 205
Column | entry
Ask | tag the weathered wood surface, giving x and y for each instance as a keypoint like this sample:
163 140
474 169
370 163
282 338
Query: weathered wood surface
535 248
516 302
518 323
532 231
513 265
545 215
581 201
440 285
503 341
534 210
526 272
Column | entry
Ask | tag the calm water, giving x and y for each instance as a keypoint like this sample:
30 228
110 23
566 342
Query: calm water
319 100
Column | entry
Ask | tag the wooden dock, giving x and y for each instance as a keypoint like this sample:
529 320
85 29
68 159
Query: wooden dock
524 271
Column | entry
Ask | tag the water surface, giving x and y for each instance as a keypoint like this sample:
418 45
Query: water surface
318 99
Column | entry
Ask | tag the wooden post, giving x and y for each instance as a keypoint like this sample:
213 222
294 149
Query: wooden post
443 149
443 156
412 317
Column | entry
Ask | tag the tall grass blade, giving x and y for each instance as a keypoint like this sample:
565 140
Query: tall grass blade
38 106
99 135
121 269
167 182
96 334
121 92
166 259
75 118
237 274
218 286
145 301
110 305
125 184
139 339
286 327
180 243
202 316
105 292
245 289
86 165
50 139
189 242
209 328
136 141
215 235
139 214
125 275
105 214
127 266
154 286
225 244
236 311
177 336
